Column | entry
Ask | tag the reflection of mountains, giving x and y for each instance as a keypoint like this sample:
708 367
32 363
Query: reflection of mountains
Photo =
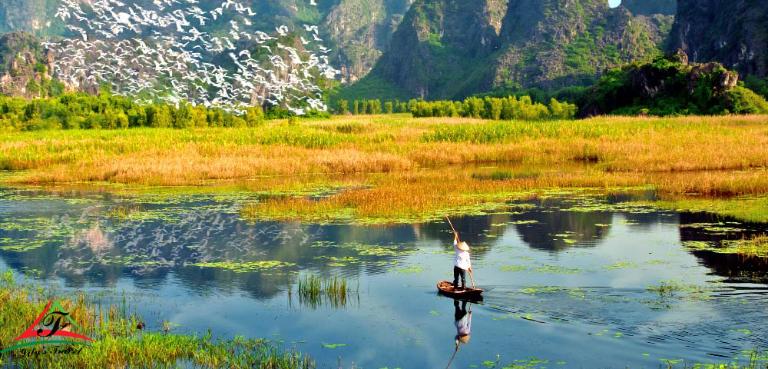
735 268
97 248
479 232
102 250
551 226
556 230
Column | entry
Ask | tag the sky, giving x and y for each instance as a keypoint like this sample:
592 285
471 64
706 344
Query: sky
614 3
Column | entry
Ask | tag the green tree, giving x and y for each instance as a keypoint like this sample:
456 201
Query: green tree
343 107
254 116
389 107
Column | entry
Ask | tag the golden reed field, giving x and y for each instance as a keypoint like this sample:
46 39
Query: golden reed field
398 167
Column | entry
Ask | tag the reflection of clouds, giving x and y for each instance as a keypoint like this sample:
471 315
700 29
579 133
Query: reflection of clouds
149 244
93 238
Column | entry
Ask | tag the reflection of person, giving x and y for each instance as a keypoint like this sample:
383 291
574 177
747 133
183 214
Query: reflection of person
463 320
461 263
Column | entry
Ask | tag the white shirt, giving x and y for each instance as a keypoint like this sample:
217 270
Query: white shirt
464 325
461 259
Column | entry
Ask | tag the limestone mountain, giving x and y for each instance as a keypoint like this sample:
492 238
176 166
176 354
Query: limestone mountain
454 48
24 66
733 32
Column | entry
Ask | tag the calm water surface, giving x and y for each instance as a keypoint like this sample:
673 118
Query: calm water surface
572 281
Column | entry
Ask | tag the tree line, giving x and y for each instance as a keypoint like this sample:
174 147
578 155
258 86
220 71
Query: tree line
79 110
494 108
104 110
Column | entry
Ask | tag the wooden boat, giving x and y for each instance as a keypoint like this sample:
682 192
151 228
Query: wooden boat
446 288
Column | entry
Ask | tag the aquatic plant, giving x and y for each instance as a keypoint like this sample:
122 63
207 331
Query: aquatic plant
245 266
753 247
314 290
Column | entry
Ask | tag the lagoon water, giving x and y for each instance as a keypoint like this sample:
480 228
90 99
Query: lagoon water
572 281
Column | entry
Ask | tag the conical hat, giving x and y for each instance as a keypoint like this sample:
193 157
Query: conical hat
463 246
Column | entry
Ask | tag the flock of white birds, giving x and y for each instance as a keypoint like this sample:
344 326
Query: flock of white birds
155 51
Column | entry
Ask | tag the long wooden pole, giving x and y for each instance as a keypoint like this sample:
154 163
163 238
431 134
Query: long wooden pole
452 357
453 229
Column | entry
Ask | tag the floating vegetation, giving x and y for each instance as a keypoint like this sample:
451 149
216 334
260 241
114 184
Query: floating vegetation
131 261
621 265
414 269
751 209
573 292
339 261
556 269
756 246
719 228
523 222
123 212
513 268
370 254
591 204
378 251
529 363
21 244
333 346
668 289
243 267
313 291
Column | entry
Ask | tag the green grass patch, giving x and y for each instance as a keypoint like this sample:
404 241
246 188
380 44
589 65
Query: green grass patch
750 209
314 291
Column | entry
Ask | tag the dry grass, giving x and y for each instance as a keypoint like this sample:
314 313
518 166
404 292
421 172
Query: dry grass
431 194
409 166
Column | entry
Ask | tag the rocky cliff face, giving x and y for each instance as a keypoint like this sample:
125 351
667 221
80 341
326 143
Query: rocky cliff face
453 48
361 30
27 15
439 42
569 42
733 32
23 65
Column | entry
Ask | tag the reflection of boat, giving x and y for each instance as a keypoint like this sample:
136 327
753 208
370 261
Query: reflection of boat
472 294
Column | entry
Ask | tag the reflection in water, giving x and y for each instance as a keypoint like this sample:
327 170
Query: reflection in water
462 321
702 227
81 241
588 268
552 230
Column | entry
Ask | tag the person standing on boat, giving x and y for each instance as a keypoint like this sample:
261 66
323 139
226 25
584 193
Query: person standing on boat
463 320
461 262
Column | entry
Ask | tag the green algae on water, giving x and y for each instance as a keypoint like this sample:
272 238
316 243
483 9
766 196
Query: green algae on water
243 267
